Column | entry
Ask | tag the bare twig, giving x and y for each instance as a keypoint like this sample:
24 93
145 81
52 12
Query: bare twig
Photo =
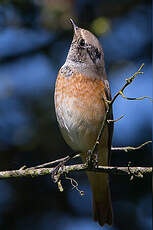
109 121
130 148
40 170
134 98
113 149
60 187
74 184
52 162
109 105
128 82
78 167
34 172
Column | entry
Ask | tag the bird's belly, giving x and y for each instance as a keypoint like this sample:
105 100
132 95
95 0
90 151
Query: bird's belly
78 122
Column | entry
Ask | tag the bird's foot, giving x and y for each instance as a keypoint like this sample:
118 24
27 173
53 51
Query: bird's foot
92 159
56 171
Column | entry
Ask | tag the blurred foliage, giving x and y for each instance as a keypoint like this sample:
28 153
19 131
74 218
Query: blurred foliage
101 25
34 41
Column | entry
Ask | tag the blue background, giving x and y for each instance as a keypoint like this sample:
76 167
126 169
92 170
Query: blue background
34 40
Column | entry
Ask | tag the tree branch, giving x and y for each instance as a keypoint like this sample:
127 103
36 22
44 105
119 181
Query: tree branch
130 148
135 171
105 120
40 170
113 149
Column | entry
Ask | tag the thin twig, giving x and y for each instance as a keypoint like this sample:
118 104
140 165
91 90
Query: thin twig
128 82
78 167
109 105
132 171
134 98
109 121
130 148
74 184
123 148
50 163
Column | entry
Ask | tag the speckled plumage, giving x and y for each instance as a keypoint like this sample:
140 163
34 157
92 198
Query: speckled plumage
80 93
80 108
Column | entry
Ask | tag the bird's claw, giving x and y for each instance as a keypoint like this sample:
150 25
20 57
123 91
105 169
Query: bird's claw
55 173
92 159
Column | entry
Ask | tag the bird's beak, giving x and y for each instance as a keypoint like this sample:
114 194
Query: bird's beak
74 26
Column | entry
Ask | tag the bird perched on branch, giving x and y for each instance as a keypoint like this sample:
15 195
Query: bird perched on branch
81 92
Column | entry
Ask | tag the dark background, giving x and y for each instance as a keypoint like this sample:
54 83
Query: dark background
34 40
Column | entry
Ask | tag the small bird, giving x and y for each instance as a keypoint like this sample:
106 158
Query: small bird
81 92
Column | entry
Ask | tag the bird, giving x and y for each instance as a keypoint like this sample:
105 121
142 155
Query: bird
81 92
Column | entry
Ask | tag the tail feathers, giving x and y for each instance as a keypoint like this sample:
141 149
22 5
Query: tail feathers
99 182
103 211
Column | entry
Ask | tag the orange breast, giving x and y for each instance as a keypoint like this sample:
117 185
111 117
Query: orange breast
80 109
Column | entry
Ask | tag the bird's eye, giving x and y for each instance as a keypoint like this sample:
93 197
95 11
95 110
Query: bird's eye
82 42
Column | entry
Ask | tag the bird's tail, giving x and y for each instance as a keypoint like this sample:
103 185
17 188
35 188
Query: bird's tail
102 207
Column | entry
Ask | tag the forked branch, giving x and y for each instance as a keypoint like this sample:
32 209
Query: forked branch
40 170
131 171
